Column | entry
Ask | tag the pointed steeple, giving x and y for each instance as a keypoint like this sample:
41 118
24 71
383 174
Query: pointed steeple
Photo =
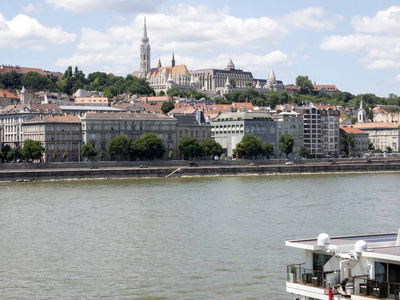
145 39
272 75
173 59
230 65
159 64
144 53
362 104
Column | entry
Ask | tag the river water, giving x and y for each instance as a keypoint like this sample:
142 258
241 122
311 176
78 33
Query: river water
178 238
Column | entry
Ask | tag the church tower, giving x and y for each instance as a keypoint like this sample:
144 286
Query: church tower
362 114
173 60
144 54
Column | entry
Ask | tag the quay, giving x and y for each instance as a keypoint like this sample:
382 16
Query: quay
163 169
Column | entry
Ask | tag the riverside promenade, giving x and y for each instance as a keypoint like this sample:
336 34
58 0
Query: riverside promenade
163 169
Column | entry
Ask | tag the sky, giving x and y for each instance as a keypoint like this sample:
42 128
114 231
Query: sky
353 44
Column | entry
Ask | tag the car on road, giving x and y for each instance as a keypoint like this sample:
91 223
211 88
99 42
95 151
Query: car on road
192 164
368 161
289 163
254 164
332 162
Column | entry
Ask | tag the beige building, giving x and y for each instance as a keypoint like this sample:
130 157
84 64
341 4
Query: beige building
194 125
99 128
360 140
13 116
321 129
382 135
57 134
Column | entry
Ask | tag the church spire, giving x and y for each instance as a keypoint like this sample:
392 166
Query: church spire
173 59
144 53
145 39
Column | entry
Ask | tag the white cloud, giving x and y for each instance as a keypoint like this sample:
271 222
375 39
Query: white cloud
385 21
120 6
312 18
32 8
377 37
188 30
25 31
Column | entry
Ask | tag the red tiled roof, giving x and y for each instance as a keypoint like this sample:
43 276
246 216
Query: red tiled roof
377 125
332 88
20 70
49 119
351 129
7 94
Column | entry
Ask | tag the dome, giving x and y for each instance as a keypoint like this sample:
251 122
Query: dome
361 246
323 240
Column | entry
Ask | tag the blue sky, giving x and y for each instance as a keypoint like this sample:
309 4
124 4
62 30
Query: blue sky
354 44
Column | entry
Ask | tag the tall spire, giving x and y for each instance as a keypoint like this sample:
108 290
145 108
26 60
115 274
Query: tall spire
145 39
173 59
144 54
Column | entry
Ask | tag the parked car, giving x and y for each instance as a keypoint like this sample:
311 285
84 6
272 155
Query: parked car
143 166
254 164
368 161
289 163
332 162
193 164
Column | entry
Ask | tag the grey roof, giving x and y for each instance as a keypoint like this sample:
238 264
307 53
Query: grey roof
235 116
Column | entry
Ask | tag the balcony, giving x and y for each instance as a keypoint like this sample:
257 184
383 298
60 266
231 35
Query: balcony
376 289
316 283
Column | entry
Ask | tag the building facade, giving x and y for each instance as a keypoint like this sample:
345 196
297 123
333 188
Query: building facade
382 135
321 129
290 123
13 116
57 134
99 128
360 141
228 129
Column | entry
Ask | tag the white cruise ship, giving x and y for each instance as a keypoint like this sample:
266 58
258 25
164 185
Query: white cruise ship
360 267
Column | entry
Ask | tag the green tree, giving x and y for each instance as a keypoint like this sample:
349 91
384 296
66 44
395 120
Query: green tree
305 85
189 147
232 82
119 146
268 150
211 148
15 154
250 146
32 150
36 82
166 107
6 149
161 93
272 99
287 144
348 142
54 155
64 156
171 154
304 151
371 146
2 156
176 92
101 155
249 84
149 147
88 151
389 149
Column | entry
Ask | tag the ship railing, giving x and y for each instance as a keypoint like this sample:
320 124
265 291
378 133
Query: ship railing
296 273
377 289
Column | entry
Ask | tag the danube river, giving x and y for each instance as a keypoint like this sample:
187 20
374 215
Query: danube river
178 238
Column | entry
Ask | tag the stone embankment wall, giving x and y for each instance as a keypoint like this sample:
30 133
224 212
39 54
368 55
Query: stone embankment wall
31 172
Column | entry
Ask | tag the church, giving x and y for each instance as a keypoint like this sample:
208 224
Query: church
212 82
162 78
